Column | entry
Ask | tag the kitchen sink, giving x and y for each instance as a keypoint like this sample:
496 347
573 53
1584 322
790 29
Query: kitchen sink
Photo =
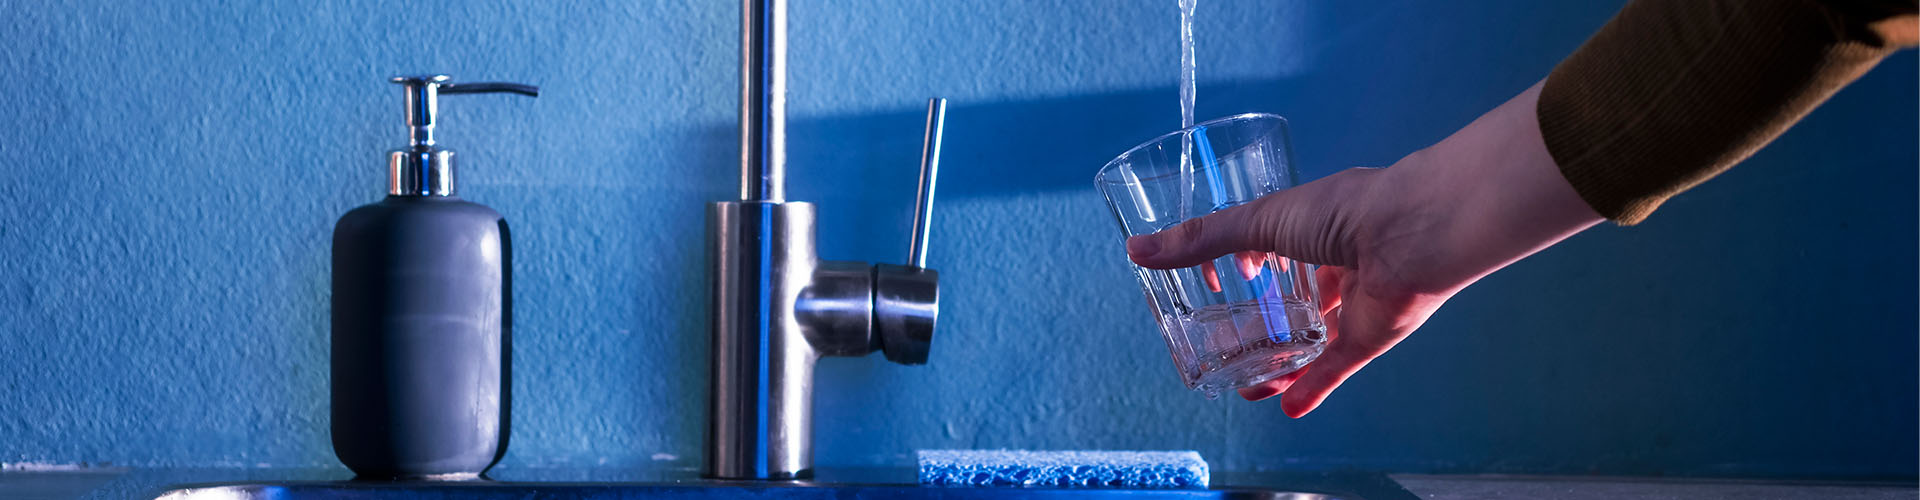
717 490
524 483
837 484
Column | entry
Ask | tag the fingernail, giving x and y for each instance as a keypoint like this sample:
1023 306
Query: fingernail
1142 246
1259 392
1250 264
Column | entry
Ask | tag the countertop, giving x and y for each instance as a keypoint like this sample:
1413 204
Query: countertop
1452 487
120 482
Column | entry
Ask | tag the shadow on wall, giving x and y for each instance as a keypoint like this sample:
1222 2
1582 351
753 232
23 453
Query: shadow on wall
991 149
862 169
994 149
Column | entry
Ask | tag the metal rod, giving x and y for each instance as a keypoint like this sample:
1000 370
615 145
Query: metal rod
929 172
763 100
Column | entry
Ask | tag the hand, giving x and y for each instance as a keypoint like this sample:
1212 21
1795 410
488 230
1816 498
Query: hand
1374 287
1395 243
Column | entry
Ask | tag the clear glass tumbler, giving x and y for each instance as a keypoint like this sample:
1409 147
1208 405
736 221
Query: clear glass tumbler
1228 325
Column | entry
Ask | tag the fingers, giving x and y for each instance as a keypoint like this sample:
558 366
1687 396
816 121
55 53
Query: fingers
1334 366
1198 240
1312 222
1269 388
1347 352
1328 280
1249 262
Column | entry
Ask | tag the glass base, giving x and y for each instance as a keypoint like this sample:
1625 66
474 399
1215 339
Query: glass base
1257 362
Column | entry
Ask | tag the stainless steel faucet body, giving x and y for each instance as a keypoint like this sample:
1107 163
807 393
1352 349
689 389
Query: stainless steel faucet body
778 308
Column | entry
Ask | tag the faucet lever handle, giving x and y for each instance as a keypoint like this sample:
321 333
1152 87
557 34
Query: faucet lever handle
490 88
929 171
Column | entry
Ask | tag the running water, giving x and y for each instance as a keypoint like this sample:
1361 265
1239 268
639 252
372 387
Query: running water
1186 63
1186 107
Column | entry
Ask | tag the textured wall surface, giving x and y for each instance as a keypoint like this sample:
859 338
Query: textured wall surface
170 174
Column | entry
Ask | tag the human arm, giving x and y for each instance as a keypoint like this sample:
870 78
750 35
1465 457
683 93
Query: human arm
1668 94
1394 243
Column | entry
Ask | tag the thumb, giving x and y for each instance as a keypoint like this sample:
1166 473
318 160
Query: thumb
1302 223
1196 240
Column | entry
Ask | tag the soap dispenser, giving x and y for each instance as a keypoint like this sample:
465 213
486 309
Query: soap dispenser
423 314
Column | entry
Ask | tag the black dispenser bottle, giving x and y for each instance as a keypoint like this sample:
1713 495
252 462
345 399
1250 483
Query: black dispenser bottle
423 315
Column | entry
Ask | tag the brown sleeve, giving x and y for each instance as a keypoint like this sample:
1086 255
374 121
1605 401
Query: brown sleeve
1672 92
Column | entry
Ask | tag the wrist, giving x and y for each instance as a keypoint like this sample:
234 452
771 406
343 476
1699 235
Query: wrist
1498 194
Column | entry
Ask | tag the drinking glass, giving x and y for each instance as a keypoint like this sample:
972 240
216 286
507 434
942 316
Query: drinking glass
1240 319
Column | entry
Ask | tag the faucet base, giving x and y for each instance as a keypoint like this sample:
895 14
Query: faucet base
760 410
777 309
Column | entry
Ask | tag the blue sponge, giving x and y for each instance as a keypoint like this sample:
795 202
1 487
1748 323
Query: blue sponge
1084 469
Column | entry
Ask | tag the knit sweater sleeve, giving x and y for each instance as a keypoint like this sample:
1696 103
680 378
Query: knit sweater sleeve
1672 92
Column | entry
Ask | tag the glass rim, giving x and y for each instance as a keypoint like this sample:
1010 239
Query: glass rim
1099 177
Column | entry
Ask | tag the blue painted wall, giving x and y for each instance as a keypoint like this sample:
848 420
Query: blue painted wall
172 173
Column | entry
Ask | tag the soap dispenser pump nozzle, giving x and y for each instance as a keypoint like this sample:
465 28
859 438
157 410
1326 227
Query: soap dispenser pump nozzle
421 169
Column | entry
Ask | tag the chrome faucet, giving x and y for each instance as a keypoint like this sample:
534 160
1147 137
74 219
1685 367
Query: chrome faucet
778 308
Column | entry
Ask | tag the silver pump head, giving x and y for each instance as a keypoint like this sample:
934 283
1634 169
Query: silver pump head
422 169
